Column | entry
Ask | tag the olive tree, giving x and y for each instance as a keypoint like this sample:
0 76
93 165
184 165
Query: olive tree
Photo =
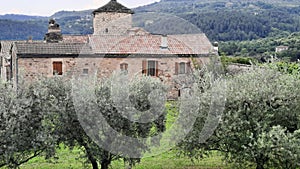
79 113
260 123
22 133
37 118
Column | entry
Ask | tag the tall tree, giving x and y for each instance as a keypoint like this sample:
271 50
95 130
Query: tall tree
260 122
92 118
22 133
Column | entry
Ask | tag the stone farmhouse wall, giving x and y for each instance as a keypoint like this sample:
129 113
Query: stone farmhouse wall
32 68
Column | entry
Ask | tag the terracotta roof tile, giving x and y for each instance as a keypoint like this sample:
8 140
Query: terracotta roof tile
150 44
141 43
75 38
198 43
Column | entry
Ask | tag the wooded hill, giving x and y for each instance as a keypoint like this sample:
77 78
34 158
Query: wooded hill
221 20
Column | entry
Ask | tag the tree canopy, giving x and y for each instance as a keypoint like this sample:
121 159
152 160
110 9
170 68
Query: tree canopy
260 123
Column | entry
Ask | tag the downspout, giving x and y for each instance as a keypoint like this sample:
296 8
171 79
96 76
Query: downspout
17 72
11 69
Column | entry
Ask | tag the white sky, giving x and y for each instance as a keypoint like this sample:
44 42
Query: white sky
49 7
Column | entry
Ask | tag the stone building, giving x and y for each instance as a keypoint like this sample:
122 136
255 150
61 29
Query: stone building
5 60
114 45
281 48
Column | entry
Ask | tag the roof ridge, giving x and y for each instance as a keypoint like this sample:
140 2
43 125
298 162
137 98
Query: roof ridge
113 6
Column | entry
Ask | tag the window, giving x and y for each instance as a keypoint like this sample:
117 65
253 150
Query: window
57 68
124 67
106 30
150 67
85 71
182 68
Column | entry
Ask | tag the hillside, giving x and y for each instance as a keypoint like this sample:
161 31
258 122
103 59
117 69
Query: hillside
265 47
22 30
17 17
224 20
221 20
15 27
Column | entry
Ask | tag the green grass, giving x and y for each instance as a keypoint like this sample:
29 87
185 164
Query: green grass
66 159
70 159
169 160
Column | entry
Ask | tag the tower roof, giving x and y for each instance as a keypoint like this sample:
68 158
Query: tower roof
113 6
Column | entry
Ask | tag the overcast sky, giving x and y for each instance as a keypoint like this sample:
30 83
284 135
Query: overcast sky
49 7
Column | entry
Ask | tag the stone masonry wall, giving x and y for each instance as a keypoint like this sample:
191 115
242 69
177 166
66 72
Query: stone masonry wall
32 68
112 23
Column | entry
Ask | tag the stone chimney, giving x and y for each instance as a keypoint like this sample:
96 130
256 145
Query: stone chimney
54 32
29 40
216 47
164 42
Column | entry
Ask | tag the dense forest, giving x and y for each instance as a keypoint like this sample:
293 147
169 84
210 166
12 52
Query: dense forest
233 20
265 47
243 27
22 30
220 20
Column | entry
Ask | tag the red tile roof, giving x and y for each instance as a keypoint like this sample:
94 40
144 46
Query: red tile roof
150 44
75 38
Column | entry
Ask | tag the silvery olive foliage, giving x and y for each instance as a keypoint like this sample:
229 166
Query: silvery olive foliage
260 124
113 114
37 118
23 135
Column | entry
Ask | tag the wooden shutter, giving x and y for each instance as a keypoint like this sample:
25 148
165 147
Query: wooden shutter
144 67
57 68
124 66
188 67
176 68
156 68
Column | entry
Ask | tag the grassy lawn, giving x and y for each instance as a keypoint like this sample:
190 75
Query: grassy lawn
70 159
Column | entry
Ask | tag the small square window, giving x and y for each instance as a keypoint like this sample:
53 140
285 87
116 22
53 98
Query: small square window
124 67
85 71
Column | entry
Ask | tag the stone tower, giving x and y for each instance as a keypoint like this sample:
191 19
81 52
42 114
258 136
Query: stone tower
112 19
